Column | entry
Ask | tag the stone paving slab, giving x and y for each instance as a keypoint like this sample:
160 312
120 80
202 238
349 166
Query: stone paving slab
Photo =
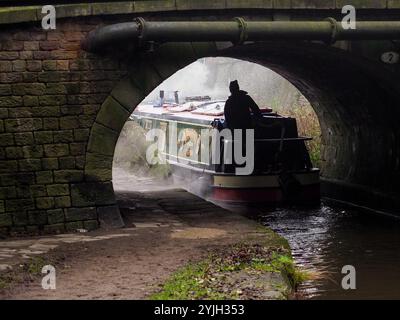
14 252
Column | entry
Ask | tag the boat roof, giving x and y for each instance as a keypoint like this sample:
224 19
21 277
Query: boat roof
148 110
201 112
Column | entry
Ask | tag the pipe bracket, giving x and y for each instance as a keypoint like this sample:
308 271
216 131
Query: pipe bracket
141 22
243 35
335 30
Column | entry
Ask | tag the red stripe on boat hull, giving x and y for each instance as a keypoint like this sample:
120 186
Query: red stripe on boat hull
309 193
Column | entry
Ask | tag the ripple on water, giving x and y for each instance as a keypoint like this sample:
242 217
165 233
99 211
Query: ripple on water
327 238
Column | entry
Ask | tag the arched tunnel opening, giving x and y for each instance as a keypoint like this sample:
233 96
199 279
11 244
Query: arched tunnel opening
352 99
208 77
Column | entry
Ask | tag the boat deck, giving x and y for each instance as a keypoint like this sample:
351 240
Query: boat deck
159 112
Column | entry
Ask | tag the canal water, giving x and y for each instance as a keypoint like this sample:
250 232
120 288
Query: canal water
327 238
324 239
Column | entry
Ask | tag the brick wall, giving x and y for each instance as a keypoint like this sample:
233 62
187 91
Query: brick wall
50 93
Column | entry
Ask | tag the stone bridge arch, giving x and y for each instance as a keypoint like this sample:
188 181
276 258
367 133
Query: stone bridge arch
143 76
61 109
351 99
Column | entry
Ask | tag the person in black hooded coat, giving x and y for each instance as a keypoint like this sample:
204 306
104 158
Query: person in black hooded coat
237 108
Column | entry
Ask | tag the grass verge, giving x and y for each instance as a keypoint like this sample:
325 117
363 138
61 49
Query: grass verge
243 271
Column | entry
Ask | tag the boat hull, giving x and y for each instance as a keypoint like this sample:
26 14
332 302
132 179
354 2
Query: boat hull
263 189
267 188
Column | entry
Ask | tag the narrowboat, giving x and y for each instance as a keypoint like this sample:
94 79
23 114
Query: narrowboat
281 169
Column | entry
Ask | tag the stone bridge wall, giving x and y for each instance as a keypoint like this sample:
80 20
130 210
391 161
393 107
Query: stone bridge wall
33 13
61 109
50 94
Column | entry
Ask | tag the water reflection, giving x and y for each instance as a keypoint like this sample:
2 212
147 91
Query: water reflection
327 238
